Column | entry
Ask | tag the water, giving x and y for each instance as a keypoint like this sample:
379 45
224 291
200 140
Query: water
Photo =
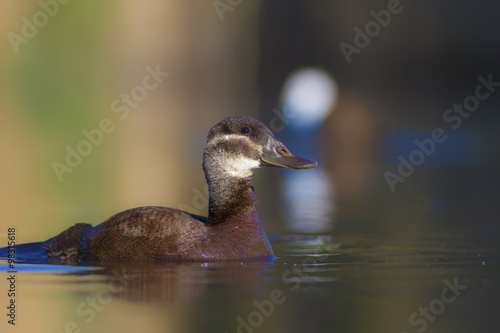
352 281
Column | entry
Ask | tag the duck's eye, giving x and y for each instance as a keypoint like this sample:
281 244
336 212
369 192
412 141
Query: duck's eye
246 130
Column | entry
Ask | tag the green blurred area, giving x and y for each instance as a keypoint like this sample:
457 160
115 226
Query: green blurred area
60 82
60 74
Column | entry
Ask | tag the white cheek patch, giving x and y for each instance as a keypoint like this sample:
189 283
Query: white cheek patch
240 166
236 165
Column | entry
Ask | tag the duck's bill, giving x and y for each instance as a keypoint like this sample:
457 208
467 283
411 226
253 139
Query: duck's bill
276 154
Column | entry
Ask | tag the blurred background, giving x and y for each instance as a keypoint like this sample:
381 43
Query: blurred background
66 68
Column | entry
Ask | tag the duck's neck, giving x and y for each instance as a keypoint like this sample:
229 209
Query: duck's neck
229 195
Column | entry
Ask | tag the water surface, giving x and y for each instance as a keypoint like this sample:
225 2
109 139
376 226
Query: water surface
350 282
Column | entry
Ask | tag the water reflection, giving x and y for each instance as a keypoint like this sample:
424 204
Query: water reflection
159 282
353 282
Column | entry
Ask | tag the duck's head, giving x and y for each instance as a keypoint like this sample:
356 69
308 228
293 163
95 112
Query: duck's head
237 145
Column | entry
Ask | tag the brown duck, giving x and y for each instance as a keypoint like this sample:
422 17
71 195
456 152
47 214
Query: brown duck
232 230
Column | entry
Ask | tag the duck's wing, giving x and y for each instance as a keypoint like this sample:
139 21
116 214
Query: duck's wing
142 233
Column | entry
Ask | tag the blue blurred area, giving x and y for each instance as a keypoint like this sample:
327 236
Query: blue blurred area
460 148
48 269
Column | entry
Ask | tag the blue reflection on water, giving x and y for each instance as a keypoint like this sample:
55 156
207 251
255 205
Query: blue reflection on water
42 268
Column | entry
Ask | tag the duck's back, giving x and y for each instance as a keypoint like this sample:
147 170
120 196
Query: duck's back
138 233
144 232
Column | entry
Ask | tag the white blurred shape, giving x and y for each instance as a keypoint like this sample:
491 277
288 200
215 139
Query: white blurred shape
308 96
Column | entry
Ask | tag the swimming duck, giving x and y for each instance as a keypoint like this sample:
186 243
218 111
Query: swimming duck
232 230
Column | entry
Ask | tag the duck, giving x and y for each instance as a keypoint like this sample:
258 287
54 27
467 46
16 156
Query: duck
235 147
